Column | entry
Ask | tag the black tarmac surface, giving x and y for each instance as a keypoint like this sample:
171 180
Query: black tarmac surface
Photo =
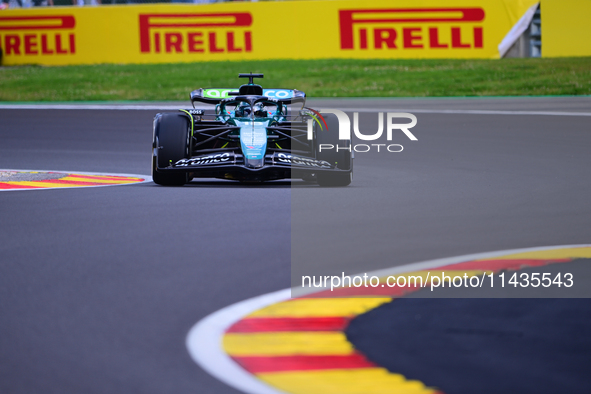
99 286
486 346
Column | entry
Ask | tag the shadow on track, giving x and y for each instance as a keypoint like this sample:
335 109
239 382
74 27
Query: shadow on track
241 185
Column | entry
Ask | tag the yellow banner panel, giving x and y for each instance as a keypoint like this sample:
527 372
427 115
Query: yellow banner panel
566 28
165 33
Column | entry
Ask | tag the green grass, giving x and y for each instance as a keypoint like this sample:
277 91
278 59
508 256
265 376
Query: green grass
318 78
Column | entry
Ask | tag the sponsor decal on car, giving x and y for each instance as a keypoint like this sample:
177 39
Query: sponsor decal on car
253 139
218 158
220 93
301 161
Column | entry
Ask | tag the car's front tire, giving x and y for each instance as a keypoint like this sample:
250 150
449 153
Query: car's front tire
171 144
342 157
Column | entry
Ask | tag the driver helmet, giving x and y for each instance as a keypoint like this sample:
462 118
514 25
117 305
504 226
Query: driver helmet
260 111
243 110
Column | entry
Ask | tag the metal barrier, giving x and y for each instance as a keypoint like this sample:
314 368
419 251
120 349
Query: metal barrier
535 35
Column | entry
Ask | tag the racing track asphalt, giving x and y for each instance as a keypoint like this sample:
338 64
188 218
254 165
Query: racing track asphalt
99 287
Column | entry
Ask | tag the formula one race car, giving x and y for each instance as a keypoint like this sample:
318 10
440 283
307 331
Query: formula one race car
250 134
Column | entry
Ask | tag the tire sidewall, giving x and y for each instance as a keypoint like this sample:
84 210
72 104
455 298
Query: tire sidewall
341 157
171 139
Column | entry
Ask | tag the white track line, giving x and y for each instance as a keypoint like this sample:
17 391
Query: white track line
204 340
93 106
146 178
204 343
150 107
469 112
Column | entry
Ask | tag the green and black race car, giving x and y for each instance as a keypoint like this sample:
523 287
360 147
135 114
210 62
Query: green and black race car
250 134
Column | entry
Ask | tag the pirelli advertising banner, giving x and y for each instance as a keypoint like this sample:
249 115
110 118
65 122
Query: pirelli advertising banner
264 30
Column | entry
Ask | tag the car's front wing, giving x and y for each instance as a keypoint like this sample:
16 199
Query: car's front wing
230 165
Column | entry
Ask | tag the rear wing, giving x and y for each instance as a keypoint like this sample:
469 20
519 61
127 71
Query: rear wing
215 95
